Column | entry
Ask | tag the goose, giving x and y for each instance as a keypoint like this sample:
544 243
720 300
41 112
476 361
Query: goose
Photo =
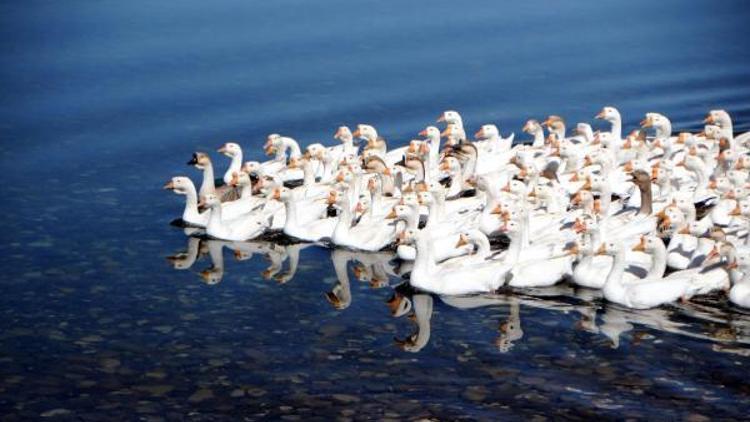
429 276
378 144
190 215
245 227
489 138
709 277
201 161
340 296
234 152
644 294
185 260
535 129
740 292
307 229
612 115
370 236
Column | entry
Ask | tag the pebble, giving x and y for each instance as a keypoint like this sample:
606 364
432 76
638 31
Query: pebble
55 412
345 398
201 395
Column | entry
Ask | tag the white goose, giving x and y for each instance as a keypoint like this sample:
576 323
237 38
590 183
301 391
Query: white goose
190 215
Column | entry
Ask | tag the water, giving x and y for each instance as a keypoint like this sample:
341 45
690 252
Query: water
103 102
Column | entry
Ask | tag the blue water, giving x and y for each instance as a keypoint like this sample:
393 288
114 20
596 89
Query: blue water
102 102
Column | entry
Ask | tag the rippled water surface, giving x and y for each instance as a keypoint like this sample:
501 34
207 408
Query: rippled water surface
103 102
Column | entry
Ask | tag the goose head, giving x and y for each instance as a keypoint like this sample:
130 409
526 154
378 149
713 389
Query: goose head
718 117
556 125
532 127
488 131
453 133
212 276
251 167
239 179
608 248
450 165
450 117
180 185
230 149
660 123
208 201
609 114
399 305
712 132
366 132
343 134
406 237
431 133
648 244
200 160
273 141
316 151
584 130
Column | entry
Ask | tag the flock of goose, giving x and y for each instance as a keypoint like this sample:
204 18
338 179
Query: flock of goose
649 219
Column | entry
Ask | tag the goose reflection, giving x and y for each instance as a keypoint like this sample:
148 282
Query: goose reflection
708 319
185 260
401 303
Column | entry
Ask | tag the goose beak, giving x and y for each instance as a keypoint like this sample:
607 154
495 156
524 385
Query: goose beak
579 226
479 134
391 215
572 250
496 210
646 123
602 250
684 230
394 303
359 207
333 300
276 194
193 161
331 198
423 132
600 115
222 150
713 254
641 246
666 223
736 211
357 133
269 150
462 240
709 120
441 118
169 185
732 265
587 185
447 132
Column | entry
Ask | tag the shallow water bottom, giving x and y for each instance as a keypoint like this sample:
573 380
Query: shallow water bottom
265 330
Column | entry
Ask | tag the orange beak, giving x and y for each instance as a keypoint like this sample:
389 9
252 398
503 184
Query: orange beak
276 194
646 122
423 132
357 133
223 149
579 226
709 120
736 211
602 250
169 185
441 118
391 215
641 246
462 240
479 134
447 132
601 114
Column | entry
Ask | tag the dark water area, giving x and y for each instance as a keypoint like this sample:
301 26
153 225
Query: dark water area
102 102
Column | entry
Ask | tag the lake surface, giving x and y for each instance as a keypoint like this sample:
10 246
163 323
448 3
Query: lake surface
103 102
